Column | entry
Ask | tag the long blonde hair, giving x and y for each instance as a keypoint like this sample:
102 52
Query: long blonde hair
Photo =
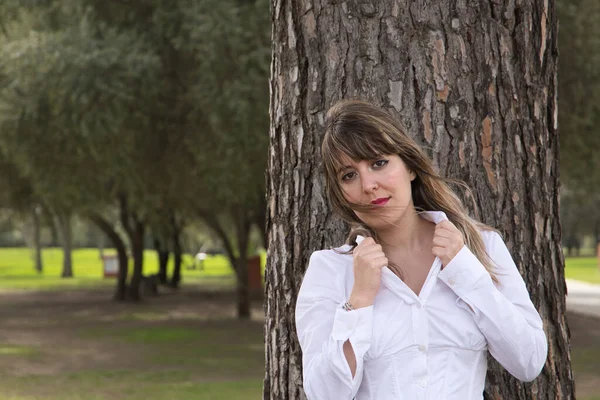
362 131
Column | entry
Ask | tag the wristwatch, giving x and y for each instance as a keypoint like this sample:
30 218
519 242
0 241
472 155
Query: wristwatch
347 306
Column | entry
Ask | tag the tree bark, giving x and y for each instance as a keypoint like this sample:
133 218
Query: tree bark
475 84
108 229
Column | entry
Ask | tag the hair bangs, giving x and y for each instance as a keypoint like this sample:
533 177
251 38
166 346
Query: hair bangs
357 145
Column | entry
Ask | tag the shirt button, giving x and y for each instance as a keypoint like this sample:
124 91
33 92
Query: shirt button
451 282
423 383
422 347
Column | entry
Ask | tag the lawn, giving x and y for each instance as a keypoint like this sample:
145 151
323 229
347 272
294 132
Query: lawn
17 269
583 269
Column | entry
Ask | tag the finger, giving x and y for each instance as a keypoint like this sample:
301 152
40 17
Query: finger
366 242
444 234
446 224
370 252
438 251
441 241
445 228
380 262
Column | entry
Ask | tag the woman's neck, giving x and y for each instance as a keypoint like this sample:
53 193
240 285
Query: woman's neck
406 235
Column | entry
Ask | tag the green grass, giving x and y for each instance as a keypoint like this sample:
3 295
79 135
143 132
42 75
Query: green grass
582 269
15 350
17 270
129 385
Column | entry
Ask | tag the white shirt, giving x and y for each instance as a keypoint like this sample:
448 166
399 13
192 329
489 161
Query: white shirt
426 347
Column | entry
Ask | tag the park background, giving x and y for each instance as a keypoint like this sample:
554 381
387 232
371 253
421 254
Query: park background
136 133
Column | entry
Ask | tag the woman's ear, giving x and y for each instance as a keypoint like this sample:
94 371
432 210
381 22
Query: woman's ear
412 175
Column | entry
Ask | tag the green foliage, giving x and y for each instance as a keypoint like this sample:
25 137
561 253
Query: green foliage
166 103
579 94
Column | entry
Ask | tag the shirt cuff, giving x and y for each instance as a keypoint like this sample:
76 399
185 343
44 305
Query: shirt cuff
355 325
464 273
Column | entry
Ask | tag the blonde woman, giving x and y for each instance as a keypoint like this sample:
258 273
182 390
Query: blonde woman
411 306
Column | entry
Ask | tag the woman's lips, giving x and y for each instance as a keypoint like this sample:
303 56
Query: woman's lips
381 201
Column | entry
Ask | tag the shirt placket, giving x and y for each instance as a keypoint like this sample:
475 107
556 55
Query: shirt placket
421 332
421 338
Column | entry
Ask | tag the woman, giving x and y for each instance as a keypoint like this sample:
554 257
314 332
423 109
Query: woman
411 306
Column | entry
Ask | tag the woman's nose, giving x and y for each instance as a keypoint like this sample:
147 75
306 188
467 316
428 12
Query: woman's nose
369 183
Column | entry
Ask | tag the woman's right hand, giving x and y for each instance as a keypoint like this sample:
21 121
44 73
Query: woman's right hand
368 261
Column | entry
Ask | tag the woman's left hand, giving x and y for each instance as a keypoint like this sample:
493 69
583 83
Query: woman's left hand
447 241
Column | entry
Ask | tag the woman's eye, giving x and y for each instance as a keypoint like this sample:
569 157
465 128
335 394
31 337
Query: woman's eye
348 176
380 163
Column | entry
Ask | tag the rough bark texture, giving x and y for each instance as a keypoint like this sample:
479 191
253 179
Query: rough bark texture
475 84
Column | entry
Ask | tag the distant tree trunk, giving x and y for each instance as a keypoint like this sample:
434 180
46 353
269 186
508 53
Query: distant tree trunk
242 228
135 231
137 248
261 219
62 221
108 229
474 83
177 258
238 260
37 241
100 243
54 236
176 230
163 259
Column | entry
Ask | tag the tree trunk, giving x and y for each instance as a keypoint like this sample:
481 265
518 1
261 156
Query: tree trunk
100 243
242 230
137 249
261 219
475 84
107 228
176 278
135 231
37 241
163 259
62 222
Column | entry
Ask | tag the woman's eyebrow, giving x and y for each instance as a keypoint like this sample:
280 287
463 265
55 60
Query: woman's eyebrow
342 169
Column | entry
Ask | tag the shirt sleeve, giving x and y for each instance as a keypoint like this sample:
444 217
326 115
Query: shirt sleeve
504 313
323 326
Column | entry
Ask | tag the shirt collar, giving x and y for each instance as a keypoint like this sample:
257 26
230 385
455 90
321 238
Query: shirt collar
433 216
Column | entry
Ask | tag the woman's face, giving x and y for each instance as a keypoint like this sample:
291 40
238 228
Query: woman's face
383 182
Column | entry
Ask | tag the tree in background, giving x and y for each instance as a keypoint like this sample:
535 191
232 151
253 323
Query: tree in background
474 83
156 110
579 116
